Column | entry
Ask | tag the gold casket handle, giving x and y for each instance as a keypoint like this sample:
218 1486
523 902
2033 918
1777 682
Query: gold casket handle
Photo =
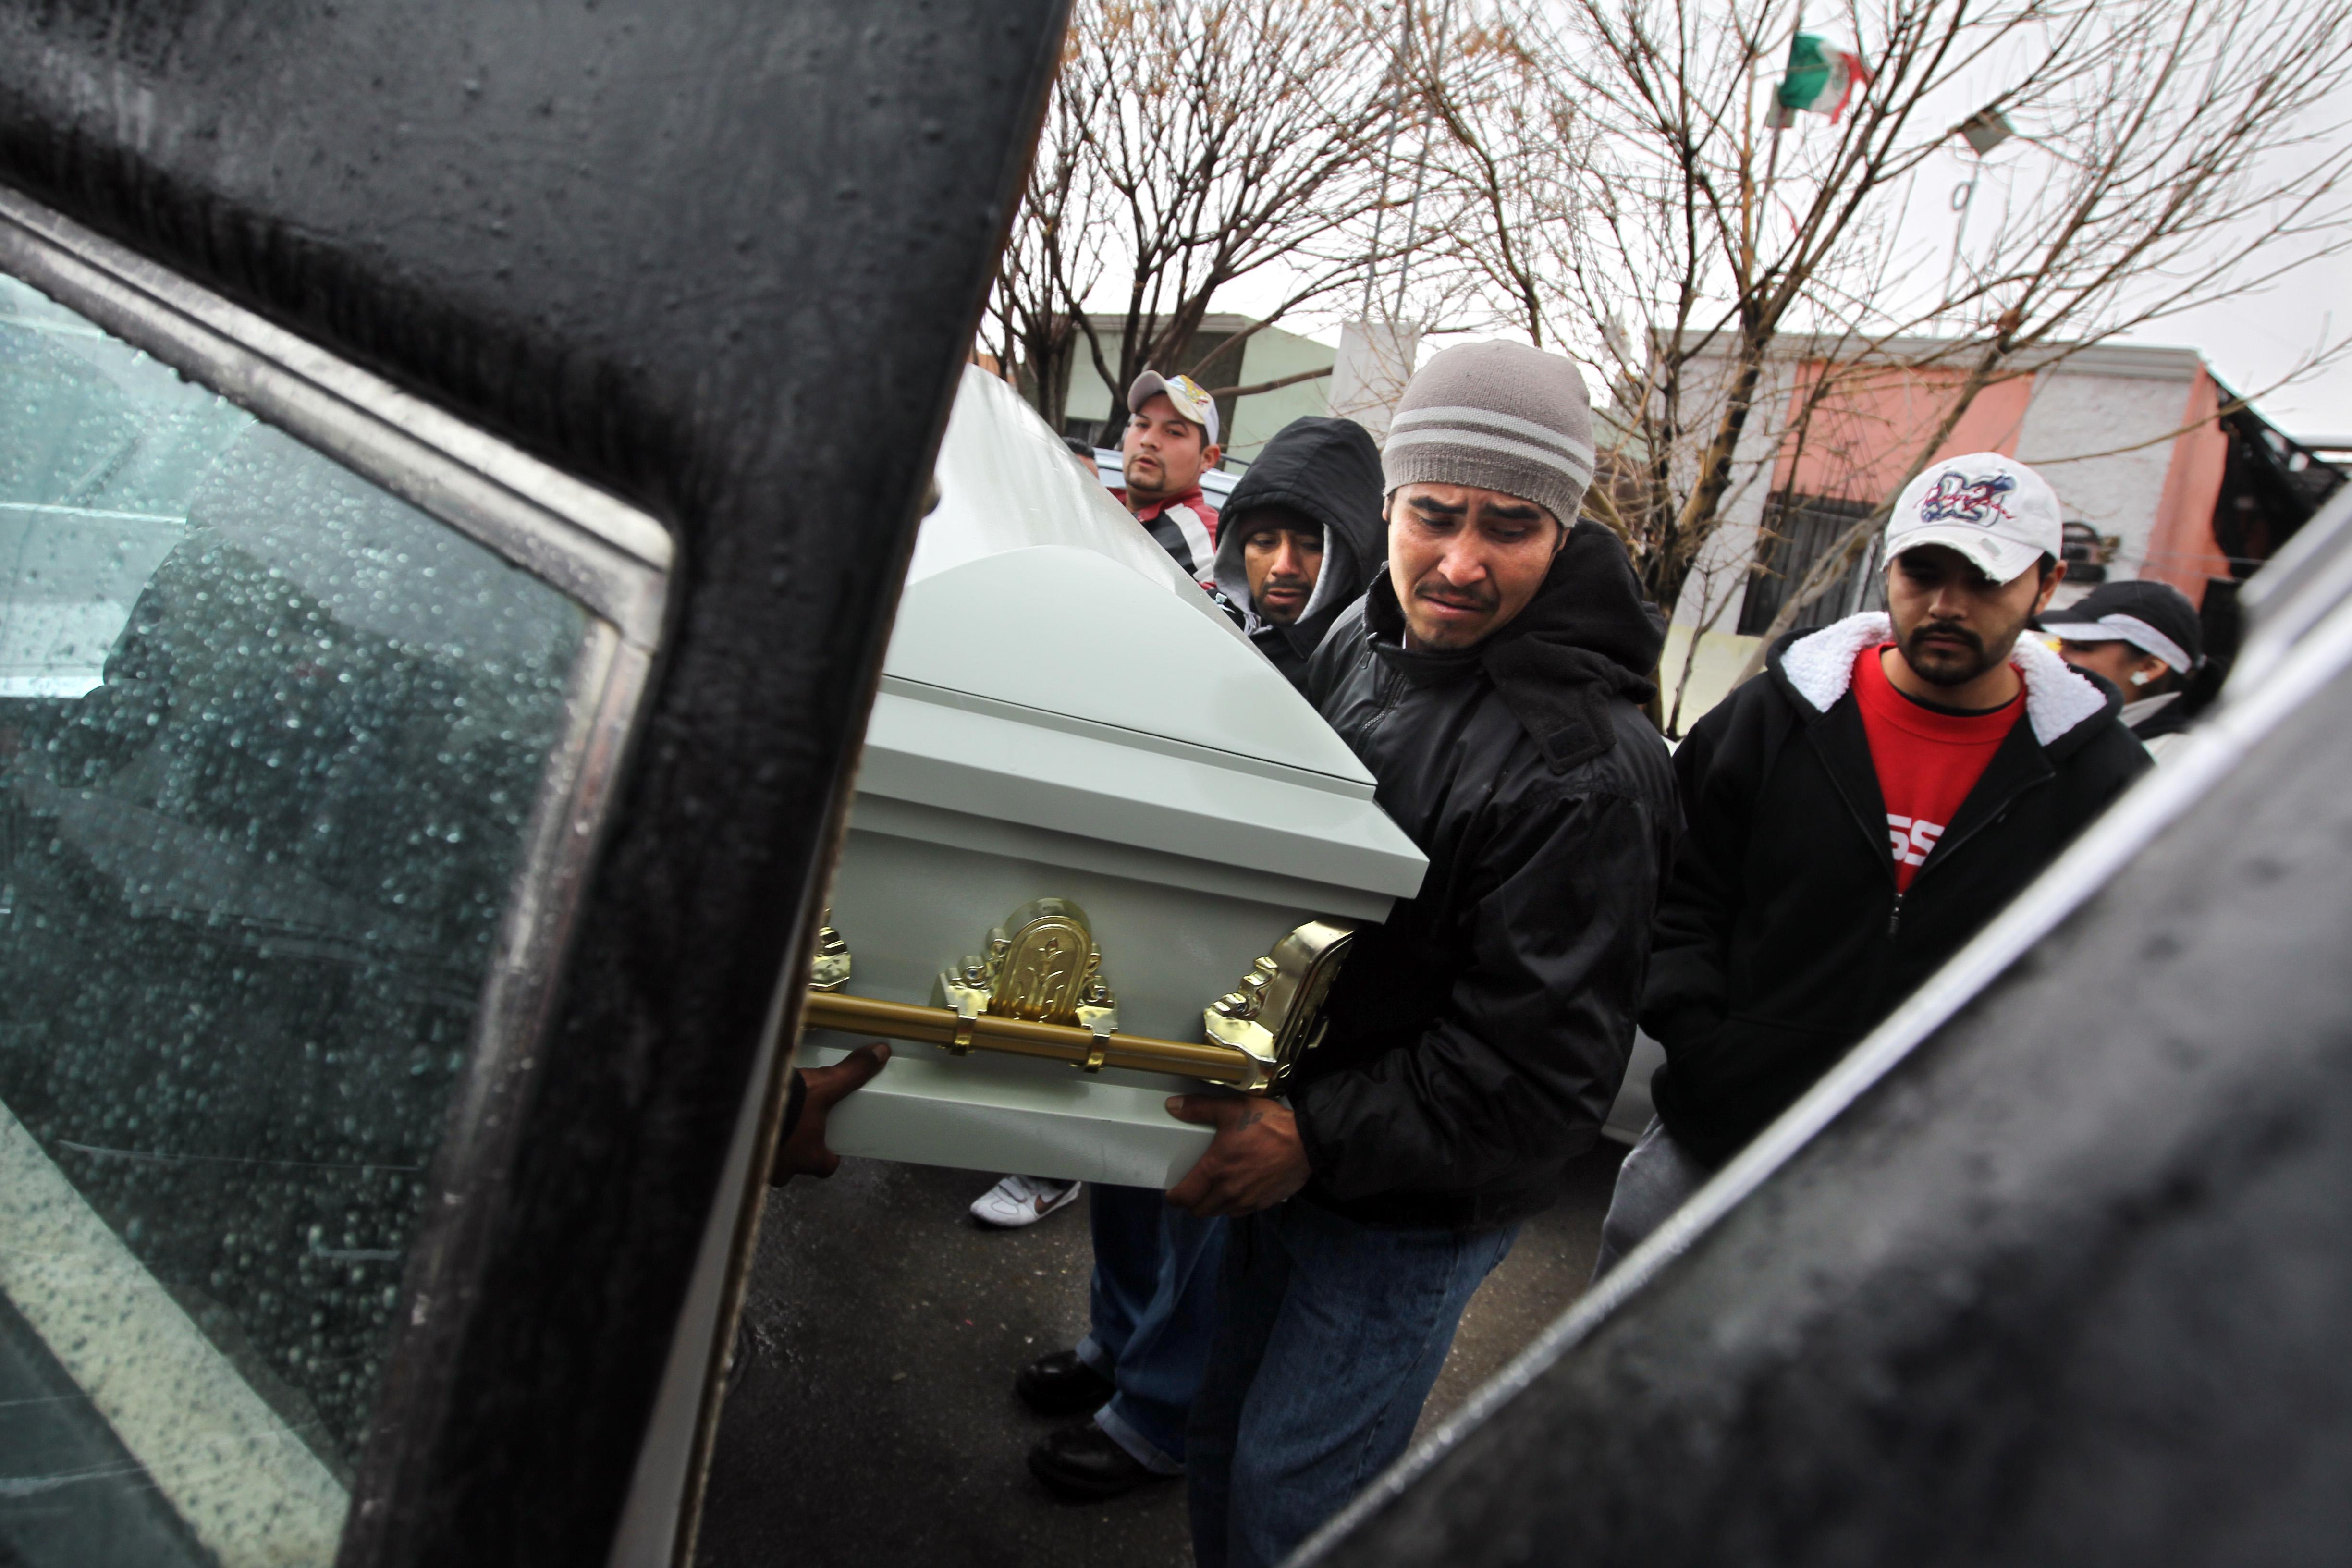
1032 1038
1039 991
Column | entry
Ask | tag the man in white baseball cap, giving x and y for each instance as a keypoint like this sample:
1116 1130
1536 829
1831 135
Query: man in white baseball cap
1999 514
1858 813
1171 441
1188 398
1972 556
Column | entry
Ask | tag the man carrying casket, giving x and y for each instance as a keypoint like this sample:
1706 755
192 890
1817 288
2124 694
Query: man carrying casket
1490 681
1303 535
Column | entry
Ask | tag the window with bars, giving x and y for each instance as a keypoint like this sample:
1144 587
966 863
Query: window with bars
1798 531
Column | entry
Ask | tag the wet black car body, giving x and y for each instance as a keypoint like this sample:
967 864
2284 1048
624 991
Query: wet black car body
459 471
456 472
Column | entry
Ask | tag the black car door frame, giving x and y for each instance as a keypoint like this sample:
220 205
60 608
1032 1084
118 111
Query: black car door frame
716 269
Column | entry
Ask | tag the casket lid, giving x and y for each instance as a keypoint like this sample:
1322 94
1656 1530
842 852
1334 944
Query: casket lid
1050 663
1031 585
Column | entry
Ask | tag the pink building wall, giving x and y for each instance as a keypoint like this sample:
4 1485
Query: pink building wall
1861 442
2181 548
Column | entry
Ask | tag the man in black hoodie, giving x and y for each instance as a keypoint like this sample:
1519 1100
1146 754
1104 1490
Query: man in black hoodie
1857 814
1300 536
1490 680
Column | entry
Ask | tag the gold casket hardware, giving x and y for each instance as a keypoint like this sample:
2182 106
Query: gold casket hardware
829 970
1275 1015
1081 1048
1039 991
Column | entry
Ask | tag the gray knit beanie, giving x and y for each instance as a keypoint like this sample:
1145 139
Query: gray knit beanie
1501 417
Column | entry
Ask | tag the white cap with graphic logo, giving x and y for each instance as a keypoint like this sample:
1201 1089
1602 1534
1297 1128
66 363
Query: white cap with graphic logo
1190 400
1996 512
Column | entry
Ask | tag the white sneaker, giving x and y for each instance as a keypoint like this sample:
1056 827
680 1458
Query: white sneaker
1017 1201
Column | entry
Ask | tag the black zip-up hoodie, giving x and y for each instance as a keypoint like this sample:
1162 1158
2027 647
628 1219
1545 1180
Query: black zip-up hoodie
1478 1037
1327 471
1782 941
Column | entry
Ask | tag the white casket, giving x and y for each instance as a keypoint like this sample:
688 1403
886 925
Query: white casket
1075 753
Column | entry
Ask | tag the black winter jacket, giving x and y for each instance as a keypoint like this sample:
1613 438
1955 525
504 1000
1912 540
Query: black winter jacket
2170 716
1478 1038
1781 941
1328 472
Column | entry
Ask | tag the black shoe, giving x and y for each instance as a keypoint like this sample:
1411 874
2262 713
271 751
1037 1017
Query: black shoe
1082 1464
1062 1384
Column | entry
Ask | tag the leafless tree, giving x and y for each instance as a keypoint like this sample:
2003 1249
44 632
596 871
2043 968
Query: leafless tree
1189 146
1617 184
2194 153
1052 257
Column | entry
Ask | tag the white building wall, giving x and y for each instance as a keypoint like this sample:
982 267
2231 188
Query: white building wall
1089 398
1270 355
1258 419
1375 362
1717 584
2076 413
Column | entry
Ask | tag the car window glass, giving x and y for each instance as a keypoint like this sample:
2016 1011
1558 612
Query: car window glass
269 738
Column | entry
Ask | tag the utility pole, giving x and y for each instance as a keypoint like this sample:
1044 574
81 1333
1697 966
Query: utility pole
1388 148
1420 167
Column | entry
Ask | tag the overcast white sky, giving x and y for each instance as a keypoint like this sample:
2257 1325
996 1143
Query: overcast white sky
2250 341
2254 340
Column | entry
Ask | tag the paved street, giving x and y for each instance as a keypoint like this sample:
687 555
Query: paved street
873 1422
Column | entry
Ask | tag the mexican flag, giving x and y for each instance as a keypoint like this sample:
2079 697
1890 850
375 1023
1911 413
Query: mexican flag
1821 76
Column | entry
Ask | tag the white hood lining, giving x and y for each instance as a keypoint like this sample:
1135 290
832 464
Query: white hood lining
2057 698
1232 575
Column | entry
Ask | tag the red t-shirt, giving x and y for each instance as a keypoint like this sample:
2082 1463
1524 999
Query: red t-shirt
1927 761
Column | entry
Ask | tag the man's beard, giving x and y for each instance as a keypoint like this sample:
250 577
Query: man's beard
1285 616
1946 663
1478 599
1152 482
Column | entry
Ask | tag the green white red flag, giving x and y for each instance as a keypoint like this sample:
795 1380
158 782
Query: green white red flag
1821 77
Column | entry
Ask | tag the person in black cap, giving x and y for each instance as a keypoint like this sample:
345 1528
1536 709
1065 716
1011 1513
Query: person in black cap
2143 638
1302 536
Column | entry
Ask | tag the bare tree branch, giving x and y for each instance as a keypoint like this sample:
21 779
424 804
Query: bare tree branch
1738 288
1274 386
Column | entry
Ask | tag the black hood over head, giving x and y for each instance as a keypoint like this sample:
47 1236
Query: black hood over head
1327 470
1587 637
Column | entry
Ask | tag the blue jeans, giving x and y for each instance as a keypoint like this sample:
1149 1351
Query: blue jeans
1154 1309
1657 1178
1333 1333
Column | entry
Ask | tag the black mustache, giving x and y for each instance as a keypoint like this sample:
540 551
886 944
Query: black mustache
1958 633
1458 600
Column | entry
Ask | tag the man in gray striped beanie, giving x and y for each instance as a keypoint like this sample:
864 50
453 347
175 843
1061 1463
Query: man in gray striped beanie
1490 680
1486 463
1500 416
